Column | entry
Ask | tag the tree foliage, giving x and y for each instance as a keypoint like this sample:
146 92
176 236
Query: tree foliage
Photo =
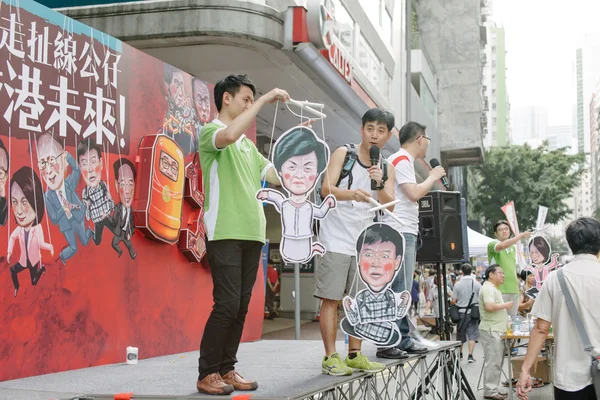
530 177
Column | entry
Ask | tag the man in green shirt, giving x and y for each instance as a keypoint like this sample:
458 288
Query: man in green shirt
504 253
494 318
232 169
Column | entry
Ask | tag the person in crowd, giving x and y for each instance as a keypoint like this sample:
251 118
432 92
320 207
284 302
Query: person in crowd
232 169
272 289
504 253
525 300
348 178
572 375
466 295
494 317
414 142
415 292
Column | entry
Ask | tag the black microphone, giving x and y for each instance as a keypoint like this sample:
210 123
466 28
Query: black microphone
374 156
434 164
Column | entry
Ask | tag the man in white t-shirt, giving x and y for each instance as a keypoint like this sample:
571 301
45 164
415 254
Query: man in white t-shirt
414 142
572 376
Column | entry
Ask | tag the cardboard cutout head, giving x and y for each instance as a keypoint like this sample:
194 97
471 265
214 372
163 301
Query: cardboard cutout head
380 253
539 250
300 158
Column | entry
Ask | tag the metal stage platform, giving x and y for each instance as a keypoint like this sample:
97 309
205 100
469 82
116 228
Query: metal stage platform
285 369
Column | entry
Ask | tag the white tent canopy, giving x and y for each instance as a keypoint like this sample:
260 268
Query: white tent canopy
477 243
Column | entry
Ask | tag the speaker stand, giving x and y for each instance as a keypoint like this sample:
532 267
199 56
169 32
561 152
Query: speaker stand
445 328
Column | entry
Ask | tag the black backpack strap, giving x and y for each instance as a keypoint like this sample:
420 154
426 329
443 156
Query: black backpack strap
349 160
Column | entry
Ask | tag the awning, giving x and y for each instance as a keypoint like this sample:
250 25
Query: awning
478 243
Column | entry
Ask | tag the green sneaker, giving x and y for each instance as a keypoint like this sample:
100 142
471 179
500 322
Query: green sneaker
334 365
362 363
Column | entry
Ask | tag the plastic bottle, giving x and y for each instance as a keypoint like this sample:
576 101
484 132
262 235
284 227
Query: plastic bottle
517 325
509 326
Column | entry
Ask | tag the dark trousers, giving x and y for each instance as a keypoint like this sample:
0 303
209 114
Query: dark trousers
233 267
121 238
587 393
34 271
99 230
270 300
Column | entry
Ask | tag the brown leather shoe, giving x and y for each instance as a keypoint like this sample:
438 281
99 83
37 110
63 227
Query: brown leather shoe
238 382
213 384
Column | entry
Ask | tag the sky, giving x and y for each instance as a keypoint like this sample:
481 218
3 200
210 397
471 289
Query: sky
541 40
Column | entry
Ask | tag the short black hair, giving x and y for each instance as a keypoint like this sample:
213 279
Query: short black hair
467 269
524 274
380 116
119 163
491 269
380 232
542 245
31 186
583 236
300 142
410 131
501 222
232 84
87 145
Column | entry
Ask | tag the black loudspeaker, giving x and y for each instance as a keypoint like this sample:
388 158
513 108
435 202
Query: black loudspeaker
441 228
465 233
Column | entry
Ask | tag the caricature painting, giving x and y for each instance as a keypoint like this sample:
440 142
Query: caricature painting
300 158
370 315
542 259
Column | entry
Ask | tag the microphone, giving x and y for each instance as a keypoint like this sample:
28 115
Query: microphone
374 156
434 164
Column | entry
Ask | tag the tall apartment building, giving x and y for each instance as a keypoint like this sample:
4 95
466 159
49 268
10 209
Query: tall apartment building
494 88
560 136
529 125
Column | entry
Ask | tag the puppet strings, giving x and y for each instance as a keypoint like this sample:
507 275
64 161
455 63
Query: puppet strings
273 132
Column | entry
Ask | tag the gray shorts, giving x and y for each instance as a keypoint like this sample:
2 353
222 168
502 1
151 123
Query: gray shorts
335 274
470 333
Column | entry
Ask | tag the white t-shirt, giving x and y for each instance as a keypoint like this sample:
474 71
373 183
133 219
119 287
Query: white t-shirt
407 211
572 363
342 226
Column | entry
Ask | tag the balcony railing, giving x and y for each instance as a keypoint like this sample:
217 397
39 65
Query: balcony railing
417 44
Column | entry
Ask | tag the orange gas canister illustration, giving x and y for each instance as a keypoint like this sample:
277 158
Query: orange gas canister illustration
159 201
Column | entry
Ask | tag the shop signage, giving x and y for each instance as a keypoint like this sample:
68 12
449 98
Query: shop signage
321 26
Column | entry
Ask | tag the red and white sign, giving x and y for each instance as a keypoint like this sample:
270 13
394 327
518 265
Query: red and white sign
320 24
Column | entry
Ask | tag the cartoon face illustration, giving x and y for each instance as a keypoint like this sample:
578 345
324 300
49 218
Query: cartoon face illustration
300 158
51 161
125 181
168 166
201 100
380 250
539 250
175 84
89 157
26 197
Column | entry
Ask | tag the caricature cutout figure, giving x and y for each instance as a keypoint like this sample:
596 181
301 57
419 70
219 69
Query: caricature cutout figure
371 314
543 262
299 158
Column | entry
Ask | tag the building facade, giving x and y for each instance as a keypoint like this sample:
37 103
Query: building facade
496 98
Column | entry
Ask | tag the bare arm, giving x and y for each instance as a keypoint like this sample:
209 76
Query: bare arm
493 307
414 191
512 241
238 126
272 177
333 174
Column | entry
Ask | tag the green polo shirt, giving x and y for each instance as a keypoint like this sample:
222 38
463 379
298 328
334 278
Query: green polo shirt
507 260
231 177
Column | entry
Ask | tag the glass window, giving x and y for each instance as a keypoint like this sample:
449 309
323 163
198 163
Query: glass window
387 86
344 29
368 61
